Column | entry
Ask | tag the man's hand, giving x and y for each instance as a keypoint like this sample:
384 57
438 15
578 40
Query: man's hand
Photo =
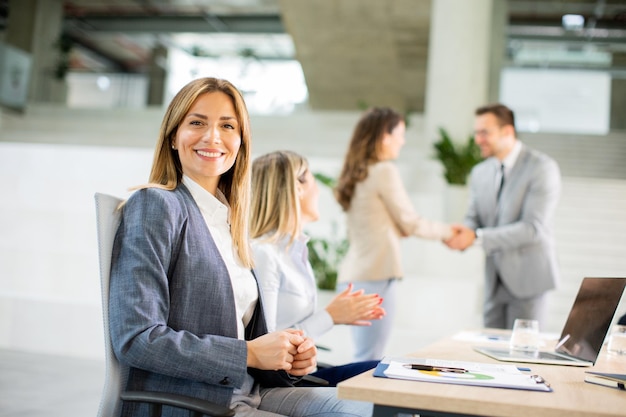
462 238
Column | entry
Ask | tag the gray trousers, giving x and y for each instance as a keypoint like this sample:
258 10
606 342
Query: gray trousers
301 402
502 308
252 401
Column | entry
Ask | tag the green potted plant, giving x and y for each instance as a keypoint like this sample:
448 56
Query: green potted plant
326 253
458 160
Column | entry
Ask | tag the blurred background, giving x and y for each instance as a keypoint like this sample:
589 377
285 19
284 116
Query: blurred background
84 83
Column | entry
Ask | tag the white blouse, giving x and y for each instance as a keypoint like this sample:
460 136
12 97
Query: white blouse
288 286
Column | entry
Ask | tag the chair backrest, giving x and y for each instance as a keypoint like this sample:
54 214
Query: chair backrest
108 220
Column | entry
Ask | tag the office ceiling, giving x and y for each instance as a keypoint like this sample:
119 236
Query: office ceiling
329 38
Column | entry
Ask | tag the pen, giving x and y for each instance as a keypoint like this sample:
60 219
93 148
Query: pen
434 368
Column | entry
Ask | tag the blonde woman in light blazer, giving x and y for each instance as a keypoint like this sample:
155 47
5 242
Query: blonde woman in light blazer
285 199
379 212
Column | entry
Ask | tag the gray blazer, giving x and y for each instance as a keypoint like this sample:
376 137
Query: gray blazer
172 309
517 233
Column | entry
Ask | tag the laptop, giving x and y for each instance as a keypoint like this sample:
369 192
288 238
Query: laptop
584 331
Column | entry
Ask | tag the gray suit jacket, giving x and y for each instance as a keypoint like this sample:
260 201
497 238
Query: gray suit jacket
517 233
172 309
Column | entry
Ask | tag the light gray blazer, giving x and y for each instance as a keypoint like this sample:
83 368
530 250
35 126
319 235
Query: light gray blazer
172 309
517 233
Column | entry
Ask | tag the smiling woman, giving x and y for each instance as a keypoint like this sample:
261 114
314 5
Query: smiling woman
168 169
185 312
208 139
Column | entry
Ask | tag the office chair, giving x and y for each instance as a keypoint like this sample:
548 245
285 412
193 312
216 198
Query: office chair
116 375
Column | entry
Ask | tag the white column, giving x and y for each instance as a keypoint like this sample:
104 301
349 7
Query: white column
458 66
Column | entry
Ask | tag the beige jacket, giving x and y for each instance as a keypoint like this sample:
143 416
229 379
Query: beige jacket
380 214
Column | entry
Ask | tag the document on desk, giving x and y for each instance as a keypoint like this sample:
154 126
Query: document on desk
461 372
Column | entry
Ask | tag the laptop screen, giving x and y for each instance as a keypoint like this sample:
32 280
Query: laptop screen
590 317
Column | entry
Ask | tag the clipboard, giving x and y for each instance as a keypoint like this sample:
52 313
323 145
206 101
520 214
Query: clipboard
382 366
478 374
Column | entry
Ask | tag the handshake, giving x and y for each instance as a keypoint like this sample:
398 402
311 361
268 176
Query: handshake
462 237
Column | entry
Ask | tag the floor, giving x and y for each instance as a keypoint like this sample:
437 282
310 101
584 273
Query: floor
36 385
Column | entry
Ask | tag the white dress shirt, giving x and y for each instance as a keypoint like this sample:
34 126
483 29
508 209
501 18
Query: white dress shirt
508 162
288 286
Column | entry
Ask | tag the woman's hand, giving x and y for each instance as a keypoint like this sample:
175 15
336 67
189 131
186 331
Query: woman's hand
288 350
355 308
305 361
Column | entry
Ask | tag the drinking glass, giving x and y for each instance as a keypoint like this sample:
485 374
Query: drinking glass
525 336
617 340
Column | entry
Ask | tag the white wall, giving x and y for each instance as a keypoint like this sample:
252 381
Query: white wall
49 291
106 91
555 100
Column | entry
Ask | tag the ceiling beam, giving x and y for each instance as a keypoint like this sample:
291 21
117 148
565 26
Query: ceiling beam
178 24
558 34
110 60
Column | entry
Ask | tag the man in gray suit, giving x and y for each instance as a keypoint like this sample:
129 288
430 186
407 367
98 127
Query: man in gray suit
513 196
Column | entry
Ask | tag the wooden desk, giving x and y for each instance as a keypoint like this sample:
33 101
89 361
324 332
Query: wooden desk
571 396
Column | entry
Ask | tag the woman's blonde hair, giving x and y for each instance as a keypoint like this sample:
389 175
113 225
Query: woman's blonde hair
275 208
167 171
364 149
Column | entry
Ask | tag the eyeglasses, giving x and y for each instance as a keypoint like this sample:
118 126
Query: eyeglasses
482 132
488 132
